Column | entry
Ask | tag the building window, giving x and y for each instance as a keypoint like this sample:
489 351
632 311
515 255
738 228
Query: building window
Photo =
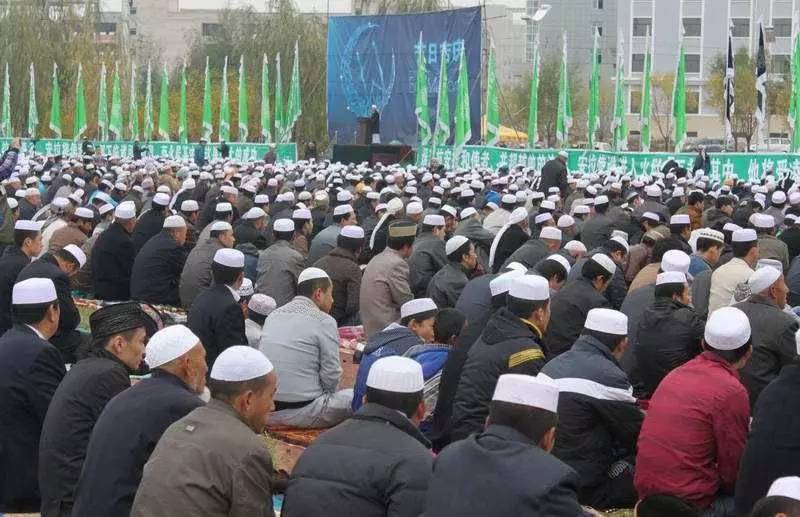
781 64
642 26
132 31
212 29
637 63
741 27
636 102
692 63
692 101
691 134
597 4
691 27
106 28
783 27
599 28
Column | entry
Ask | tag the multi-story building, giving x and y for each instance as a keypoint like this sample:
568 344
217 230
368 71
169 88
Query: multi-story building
506 28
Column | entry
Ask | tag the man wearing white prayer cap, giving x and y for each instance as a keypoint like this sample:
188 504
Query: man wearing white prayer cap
499 217
152 221
280 264
507 469
781 500
27 246
597 229
341 265
216 316
446 285
509 238
371 477
709 246
470 227
697 422
510 343
428 256
213 460
251 228
325 239
724 279
75 232
773 329
302 340
596 409
554 268
770 246
31 369
113 467
196 274
536 249
113 254
223 213
156 273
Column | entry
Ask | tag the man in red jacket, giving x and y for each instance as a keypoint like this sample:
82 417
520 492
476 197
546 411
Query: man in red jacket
696 427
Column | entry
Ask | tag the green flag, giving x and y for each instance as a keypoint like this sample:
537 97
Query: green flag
492 135
133 107
243 115
564 115
80 107
421 109
163 107
593 115
294 107
5 115
533 102
224 106
148 104
102 105
279 123
183 129
208 125
619 125
33 115
115 124
463 130
442 132
794 98
266 124
646 107
55 105
679 102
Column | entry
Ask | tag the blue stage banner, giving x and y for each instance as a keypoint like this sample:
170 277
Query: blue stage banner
373 60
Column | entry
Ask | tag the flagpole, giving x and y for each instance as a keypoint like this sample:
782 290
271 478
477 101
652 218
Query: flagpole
761 85
729 88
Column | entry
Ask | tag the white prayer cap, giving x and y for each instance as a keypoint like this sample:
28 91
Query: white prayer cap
240 363
531 288
272 182
77 254
601 200
161 199
731 227
174 221
342 209
433 220
33 291
454 243
607 321
246 289
223 207
262 304
708 233
303 214
605 262
675 260
352 232
548 205
416 307
394 206
580 209
253 188
227 189
727 329
765 262
563 154
550 232
778 197
118 185
32 192
509 199
538 391
169 343
788 486
516 266
84 213
262 199
13 203
671 277
28 226
763 221
188 184
561 260
449 210
794 198
680 219
104 209
76 196
20 193
396 374
468 212
544 216
254 213
311 273
652 216
163 189
491 205
744 235
229 257
221 226
414 208
565 221
502 283
762 278
283 225
518 215
576 246
125 210
381 206
375 195
343 196
653 191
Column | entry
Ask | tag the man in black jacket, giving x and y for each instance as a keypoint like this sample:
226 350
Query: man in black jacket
510 343
507 471
157 269
59 266
118 344
30 370
113 467
554 174
598 419
377 462
151 222
113 255
250 228
216 316
27 246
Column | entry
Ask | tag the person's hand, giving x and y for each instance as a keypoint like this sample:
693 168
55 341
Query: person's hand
16 143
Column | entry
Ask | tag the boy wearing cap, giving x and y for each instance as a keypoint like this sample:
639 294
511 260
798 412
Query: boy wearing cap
428 256
507 470
696 425
258 308
27 246
724 279
113 255
280 264
30 369
113 467
446 285
341 265
599 420
196 274
156 273
377 462
213 461
510 343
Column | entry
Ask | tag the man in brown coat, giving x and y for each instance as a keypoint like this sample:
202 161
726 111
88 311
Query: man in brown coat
341 265
385 287
75 232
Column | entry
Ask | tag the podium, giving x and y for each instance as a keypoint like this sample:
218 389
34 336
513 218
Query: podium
364 134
